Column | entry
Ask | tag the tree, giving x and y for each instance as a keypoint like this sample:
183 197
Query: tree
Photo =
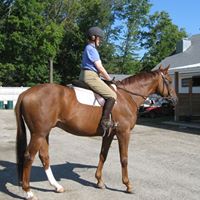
34 31
80 16
118 51
160 39
132 14
29 42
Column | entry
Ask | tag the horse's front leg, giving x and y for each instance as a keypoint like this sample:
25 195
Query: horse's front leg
123 140
106 142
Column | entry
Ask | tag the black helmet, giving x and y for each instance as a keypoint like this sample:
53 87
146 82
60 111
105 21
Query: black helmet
95 31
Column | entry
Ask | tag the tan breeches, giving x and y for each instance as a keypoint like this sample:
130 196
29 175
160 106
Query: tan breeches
96 84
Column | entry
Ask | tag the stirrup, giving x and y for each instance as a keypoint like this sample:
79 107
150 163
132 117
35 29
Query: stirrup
107 126
107 123
106 132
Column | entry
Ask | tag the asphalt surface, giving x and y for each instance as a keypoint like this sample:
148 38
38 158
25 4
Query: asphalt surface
164 164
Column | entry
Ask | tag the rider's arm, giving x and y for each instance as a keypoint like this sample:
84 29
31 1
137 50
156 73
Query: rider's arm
102 70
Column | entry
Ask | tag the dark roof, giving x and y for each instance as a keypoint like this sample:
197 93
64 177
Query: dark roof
188 57
119 76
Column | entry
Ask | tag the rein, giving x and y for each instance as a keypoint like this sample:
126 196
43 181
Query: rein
133 93
122 88
165 82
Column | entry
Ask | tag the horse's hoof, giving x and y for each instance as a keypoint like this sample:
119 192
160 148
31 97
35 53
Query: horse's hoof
32 198
101 185
130 190
60 190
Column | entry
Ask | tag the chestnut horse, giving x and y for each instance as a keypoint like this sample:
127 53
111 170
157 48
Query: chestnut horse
45 106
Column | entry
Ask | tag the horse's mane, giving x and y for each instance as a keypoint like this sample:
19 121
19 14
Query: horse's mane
140 77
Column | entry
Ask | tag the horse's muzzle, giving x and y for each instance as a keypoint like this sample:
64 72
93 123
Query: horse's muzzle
174 100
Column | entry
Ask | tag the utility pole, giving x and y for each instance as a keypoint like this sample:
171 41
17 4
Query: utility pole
51 70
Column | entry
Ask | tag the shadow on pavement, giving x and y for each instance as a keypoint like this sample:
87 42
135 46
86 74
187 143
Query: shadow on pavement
169 124
8 174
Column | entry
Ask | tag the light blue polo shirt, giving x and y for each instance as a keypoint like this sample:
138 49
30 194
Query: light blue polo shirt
90 55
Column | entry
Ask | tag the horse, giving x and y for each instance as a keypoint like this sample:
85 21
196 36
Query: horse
45 106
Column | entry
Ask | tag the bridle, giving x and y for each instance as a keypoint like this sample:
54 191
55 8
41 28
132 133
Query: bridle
167 84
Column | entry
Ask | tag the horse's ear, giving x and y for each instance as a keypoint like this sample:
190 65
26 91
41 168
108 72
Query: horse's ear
166 69
160 67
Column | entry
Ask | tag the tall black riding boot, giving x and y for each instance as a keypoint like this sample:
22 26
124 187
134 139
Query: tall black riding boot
106 122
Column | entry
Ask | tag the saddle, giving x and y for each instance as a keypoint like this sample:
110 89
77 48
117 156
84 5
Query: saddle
86 95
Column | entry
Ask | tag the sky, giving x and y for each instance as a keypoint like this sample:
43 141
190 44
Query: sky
184 13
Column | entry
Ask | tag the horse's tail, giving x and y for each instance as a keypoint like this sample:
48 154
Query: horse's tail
21 140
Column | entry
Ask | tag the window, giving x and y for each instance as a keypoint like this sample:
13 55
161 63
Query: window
185 82
196 81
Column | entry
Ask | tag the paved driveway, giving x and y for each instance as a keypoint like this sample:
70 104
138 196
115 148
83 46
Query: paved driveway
164 164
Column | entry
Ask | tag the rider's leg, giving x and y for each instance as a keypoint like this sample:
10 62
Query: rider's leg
100 87
105 119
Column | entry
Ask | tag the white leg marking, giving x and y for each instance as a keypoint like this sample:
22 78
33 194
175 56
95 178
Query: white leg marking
29 195
53 181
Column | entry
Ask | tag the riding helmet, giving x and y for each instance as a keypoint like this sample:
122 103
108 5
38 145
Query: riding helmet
95 31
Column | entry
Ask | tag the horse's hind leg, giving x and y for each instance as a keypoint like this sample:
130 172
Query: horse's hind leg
123 140
29 156
102 158
44 157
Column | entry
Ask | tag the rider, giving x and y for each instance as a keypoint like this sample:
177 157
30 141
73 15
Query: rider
92 69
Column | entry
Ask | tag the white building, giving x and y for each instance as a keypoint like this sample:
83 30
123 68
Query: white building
9 96
186 61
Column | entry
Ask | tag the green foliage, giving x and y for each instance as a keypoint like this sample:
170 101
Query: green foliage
28 43
133 14
34 31
160 39
7 73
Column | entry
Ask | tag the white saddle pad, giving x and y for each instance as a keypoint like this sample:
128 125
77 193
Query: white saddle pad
88 97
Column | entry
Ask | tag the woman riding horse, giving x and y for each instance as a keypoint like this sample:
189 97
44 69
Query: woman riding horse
46 106
92 69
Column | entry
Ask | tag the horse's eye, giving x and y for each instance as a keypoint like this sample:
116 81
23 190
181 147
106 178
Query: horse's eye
170 81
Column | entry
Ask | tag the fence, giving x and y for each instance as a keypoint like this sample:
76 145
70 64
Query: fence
9 96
